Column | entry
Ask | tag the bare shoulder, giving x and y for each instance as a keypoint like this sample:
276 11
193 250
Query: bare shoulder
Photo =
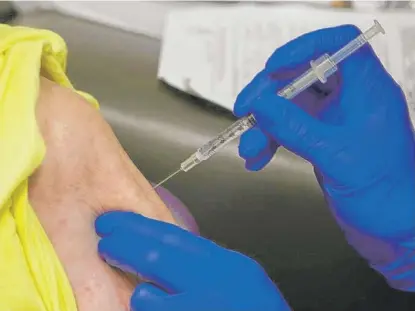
83 152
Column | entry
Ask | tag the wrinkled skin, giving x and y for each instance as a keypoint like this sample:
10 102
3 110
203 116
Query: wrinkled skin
86 172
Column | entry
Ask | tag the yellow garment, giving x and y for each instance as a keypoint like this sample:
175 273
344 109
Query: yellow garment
31 275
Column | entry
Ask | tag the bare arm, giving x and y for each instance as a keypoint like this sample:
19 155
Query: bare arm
85 172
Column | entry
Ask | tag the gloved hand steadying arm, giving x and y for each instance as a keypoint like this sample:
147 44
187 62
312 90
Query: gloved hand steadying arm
190 272
356 131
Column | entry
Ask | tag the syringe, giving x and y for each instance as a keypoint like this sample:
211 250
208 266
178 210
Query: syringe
320 70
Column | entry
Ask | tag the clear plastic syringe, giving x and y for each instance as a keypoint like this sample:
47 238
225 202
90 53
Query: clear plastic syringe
320 70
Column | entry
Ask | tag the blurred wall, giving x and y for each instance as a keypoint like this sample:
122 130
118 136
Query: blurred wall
144 17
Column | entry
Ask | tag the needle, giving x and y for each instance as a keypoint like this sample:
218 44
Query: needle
167 178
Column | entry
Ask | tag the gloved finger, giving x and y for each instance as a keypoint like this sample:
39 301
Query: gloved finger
193 302
107 223
263 80
163 264
291 126
143 294
144 227
260 82
146 291
256 148
366 80
311 45
179 302
252 143
260 161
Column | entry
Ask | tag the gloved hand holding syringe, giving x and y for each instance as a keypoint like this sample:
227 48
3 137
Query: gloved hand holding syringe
320 70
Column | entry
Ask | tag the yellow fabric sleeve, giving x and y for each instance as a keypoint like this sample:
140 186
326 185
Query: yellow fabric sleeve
31 275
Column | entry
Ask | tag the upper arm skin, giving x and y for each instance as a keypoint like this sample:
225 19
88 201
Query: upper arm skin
84 155
85 173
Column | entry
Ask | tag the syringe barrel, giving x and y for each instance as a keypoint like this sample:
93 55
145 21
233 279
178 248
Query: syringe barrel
298 85
348 49
356 43
320 69
233 131
190 162
211 147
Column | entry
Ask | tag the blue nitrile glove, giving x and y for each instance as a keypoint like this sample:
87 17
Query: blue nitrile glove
191 273
356 131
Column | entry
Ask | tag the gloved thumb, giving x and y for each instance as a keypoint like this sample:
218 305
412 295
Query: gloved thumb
292 127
